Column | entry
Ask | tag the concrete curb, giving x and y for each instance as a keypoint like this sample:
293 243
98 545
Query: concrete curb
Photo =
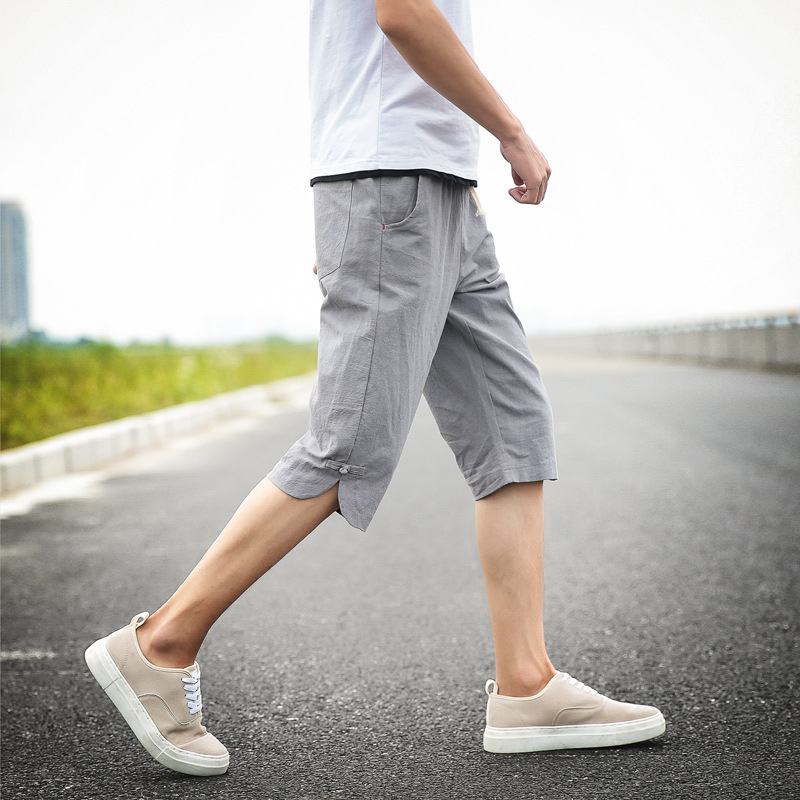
100 445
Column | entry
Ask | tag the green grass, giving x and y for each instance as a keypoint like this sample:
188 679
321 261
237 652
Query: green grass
48 388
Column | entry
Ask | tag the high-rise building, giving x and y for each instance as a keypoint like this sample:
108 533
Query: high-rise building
14 322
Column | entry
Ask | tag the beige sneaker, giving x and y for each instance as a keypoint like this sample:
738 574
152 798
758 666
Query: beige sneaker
161 705
565 714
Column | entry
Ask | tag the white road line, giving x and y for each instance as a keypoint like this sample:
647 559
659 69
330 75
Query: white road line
26 655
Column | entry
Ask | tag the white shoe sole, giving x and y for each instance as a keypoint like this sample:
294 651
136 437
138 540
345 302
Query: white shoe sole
109 677
567 737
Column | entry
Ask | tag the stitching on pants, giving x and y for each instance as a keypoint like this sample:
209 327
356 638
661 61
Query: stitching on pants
372 352
322 277
347 229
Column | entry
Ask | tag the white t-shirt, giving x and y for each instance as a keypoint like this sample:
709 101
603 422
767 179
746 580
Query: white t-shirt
370 110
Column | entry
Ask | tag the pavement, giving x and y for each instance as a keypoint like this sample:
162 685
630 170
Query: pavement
355 669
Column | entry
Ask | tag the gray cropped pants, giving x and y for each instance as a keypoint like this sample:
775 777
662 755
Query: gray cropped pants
414 303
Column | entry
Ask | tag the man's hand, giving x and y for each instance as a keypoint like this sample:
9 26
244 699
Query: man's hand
529 169
425 39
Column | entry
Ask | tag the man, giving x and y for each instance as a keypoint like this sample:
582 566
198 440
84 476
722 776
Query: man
413 301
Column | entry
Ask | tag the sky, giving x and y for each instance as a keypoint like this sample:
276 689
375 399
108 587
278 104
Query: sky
159 149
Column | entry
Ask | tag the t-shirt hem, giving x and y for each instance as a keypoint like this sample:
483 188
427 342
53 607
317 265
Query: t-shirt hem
467 168
380 173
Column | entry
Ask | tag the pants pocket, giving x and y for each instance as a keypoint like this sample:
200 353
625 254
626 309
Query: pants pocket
399 197
332 205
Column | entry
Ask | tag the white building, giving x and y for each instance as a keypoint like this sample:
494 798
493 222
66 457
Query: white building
14 322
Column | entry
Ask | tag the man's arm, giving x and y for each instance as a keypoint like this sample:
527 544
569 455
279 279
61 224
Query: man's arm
425 39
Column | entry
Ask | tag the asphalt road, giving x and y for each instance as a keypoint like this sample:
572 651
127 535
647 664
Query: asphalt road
356 668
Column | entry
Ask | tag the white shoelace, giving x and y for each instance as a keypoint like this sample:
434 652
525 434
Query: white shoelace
566 678
191 687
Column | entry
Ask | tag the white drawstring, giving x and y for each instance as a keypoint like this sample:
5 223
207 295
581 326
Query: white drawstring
480 212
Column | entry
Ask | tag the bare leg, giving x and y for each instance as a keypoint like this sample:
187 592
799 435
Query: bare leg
266 526
510 527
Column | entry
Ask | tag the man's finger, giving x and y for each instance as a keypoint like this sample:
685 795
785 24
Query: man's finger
529 196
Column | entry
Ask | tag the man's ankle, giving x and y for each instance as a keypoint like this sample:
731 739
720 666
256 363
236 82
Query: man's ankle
524 683
162 649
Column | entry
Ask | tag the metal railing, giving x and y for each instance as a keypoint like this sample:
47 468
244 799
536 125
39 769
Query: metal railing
766 341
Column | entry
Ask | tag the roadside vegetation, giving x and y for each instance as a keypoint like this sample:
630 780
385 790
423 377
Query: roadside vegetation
48 388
